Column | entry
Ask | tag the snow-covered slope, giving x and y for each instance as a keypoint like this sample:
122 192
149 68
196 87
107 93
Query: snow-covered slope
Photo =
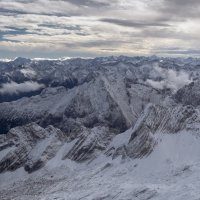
106 128
165 172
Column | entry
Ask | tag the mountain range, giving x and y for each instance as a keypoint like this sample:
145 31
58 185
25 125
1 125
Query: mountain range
125 128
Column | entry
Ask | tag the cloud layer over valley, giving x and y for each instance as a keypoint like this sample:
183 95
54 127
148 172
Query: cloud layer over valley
169 79
14 88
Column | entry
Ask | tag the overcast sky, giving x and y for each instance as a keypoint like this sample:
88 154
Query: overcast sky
88 28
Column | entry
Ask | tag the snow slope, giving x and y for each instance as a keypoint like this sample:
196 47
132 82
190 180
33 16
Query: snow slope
172 171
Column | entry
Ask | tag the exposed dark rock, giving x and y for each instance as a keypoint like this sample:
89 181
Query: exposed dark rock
189 94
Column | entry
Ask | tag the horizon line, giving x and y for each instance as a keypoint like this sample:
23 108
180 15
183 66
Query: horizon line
86 57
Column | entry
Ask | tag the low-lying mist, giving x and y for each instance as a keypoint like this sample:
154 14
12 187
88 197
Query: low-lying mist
17 88
170 79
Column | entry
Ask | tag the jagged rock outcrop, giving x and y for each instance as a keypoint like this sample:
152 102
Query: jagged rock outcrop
139 141
189 94
90 144
29 146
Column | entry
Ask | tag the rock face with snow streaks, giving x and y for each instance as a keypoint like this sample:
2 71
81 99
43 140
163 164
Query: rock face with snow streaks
142 137
29 146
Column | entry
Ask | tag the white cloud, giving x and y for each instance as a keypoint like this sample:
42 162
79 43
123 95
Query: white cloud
16 88
28 72
170 79
5 60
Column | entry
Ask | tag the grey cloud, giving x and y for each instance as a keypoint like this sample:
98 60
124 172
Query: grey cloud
61 26
37 7
183 3
6 11
65 29
15 30
132 23
12 31
163 33
176 51
109 50
88 3
25 1
84 27
11 12
83 34
103 44
67 8
180 9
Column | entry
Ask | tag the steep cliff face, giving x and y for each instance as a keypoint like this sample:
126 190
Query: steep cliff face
29 146
189 94
156 120
101 101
